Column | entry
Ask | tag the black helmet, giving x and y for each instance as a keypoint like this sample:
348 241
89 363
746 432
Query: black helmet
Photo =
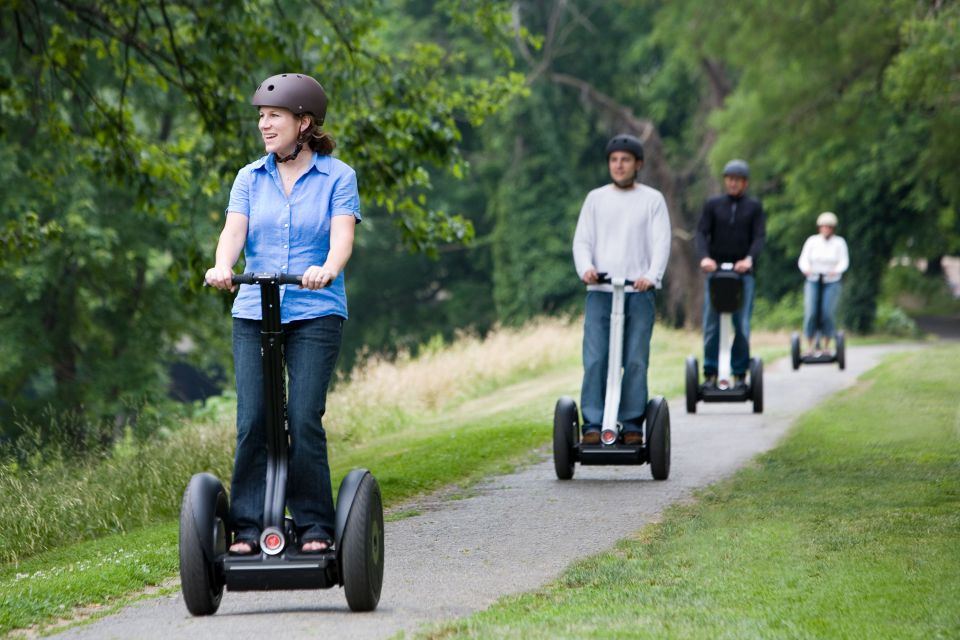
297 92
625 142
737 168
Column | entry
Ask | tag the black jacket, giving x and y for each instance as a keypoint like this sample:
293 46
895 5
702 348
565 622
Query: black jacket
730 229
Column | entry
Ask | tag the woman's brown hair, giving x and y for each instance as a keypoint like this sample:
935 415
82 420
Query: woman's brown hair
316 138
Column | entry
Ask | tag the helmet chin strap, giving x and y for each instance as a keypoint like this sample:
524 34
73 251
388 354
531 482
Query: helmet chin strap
293 155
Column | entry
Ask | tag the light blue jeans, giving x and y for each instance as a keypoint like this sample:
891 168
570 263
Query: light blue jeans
740 352
831 296
639 313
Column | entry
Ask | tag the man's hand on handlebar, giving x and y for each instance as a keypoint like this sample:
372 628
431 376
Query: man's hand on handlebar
221 278
590 276
317 278
708 265
742 266
642 284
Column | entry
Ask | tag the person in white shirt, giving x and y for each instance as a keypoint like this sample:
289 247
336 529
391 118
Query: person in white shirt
623 231
824 254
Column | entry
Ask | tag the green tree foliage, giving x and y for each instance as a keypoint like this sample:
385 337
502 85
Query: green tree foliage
837 106
122 126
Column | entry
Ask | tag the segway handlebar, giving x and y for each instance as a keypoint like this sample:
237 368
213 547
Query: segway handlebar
263 278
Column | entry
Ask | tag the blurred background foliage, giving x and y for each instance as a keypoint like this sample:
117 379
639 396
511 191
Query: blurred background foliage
476 128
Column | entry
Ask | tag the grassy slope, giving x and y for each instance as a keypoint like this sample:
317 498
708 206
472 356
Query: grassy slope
851 528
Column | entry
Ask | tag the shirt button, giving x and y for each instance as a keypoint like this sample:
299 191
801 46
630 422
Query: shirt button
285 226
284 267
284 246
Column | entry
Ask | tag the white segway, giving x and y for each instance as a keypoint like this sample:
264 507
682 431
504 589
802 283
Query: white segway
655 449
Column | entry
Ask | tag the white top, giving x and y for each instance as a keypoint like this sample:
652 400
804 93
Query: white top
624 233
824 255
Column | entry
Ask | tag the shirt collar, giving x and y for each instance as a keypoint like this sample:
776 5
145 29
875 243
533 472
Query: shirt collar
269 163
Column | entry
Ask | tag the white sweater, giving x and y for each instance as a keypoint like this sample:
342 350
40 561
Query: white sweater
625 233
824 255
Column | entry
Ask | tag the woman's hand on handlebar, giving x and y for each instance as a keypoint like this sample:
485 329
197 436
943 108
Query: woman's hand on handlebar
317 278
590 276
221 278
709 265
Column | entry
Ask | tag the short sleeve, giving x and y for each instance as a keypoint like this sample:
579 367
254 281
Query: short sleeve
346 198
240 194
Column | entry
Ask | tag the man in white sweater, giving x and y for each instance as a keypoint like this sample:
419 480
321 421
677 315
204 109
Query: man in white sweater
623 231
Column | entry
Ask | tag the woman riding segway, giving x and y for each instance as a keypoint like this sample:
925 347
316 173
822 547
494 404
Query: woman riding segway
294 211
823 260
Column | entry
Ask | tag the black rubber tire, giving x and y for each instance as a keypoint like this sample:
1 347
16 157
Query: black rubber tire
362 554
795 350
566 429
692 383
657 421
756 384
200 580
841 351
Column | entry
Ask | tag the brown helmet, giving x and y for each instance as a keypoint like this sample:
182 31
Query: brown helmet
297 92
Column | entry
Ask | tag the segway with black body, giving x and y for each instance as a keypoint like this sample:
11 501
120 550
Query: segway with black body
655 448
819 356
356 560
726 296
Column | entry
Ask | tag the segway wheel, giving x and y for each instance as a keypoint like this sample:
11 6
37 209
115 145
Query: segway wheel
693 384
795 350
566 428
362 550
203 539
756 384
657 420
841 351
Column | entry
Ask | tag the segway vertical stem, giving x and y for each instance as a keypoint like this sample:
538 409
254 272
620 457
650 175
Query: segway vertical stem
271 337
610 429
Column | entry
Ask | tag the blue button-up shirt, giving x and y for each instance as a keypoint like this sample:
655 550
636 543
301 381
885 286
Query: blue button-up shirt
288 234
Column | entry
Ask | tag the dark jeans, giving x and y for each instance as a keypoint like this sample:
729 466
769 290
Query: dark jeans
310 352
638 310
740 352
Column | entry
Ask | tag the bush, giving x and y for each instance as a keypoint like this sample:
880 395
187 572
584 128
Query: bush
893 320
916 292
786 313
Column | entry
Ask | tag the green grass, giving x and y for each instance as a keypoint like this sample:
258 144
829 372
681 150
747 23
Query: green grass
136 492
849 529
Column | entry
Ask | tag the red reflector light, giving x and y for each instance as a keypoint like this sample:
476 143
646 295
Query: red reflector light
272 541
608 437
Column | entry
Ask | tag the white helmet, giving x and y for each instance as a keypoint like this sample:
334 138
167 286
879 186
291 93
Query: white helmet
827 219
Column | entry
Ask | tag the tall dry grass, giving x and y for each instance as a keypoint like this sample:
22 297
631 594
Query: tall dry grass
140 484
385 395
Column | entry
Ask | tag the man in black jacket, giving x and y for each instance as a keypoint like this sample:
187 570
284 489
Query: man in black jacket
732 229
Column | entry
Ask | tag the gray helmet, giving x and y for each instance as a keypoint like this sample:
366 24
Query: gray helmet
737 168
625 142
297 92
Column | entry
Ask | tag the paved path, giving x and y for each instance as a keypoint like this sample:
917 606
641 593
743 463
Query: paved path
515 533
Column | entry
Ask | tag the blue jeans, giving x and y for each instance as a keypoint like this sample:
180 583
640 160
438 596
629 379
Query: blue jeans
311 348
831 295
740 352
637 328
